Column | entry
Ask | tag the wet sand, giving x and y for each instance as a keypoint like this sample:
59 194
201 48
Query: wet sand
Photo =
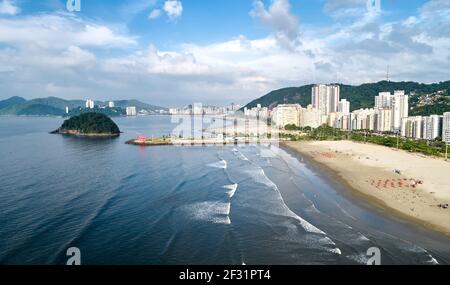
369 170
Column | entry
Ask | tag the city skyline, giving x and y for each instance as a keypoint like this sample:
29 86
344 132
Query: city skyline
179 52
389 114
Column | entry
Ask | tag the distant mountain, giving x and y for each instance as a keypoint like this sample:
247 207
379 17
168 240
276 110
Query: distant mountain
11 101
40 110
138 104
54 106
51 106
361 96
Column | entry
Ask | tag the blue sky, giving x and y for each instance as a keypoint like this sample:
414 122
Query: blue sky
202 21
176 52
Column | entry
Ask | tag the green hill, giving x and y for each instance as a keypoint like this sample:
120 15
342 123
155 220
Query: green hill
138 104
361 96
53 106
89 124
50 106
438 107
39 110
11 102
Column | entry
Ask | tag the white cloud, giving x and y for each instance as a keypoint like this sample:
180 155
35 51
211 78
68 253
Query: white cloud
156 13
280 20
131 8
8 7
153 61
173 9
55 31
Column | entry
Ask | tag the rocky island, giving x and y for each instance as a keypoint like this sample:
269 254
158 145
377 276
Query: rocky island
89 125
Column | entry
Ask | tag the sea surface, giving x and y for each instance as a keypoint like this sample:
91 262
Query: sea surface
123 204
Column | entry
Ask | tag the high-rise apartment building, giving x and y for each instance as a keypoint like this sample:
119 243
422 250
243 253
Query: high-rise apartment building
412 127
446 127
90 104
431 127
309 117
383 120
383 100
344 107
325 98
287 114
131 111
400 109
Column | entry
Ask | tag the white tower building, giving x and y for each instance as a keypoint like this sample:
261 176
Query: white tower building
325 98
400 109
344 107
446 128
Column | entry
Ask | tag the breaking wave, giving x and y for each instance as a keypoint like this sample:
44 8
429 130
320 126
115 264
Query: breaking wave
212 212
220 164
231 189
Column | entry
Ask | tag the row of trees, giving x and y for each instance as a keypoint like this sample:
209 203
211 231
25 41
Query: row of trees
435 148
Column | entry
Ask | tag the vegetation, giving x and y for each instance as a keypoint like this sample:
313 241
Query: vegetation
291 128
361 96
434 148
138 104
300 95
39 110
91 123
54 106
11 101
110 112
439 107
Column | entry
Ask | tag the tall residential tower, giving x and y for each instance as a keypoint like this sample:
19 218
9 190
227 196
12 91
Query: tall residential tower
400 109
446 128
325 98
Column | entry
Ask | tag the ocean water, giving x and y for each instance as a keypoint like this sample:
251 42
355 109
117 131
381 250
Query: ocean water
122 204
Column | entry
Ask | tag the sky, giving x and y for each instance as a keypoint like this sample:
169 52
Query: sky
215 52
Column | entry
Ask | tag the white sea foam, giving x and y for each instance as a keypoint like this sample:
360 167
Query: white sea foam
231 189
306 225
312 208
260 176
239 154
432 260
220 164
212 212
362 238
418 249
336 250
243 157
359 258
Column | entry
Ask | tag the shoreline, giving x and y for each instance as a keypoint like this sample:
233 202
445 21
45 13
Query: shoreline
83 135
415 204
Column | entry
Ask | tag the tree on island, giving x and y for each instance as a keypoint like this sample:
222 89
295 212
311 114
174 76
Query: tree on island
89 124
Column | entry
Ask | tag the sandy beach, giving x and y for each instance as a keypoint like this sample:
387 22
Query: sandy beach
412 185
